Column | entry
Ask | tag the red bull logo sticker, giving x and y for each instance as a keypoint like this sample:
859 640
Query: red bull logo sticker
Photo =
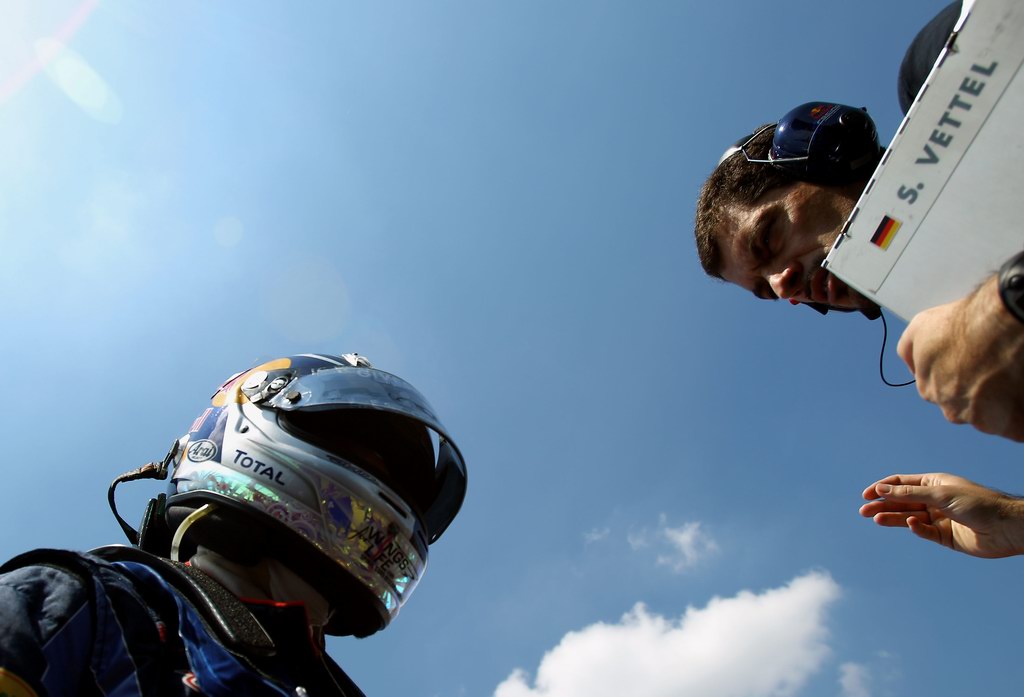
819 112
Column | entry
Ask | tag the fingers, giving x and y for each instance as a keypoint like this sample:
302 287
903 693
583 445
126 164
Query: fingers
871 492
869 510
918 522
902 492
921 488
901 519
924 530
905 493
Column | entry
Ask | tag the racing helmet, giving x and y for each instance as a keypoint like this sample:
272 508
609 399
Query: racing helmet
342 471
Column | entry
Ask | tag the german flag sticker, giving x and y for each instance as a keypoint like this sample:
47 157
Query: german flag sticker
885 232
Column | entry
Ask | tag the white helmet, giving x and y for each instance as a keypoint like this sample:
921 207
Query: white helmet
342 471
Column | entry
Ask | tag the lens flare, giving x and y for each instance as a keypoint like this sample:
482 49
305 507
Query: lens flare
78 81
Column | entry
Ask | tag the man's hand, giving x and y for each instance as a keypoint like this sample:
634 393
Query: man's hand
949 510
968 358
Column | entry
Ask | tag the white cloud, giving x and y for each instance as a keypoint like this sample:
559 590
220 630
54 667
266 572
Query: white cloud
854 680
679 548
688 545
750 645
638 540
596 535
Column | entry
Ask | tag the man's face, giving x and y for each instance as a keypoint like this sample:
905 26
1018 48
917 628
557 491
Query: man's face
774 247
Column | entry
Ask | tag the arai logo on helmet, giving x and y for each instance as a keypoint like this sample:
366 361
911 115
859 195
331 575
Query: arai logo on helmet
202 450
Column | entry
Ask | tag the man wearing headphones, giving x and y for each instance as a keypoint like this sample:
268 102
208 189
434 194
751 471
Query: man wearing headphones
301 503
769 213
766 218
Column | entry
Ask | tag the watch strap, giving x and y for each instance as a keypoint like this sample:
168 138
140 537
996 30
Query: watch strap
1011 286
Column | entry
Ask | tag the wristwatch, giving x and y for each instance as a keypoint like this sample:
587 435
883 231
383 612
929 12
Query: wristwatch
1011 286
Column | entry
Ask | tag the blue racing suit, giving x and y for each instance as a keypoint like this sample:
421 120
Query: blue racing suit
119 621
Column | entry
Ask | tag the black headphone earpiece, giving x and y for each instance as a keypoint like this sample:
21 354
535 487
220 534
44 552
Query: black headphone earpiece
826 143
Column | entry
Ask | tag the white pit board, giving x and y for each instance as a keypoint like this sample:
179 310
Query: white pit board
952 180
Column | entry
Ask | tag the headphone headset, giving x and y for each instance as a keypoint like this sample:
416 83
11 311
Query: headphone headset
820 143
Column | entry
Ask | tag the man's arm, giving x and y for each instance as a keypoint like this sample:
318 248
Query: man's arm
968 358
949 510
46 631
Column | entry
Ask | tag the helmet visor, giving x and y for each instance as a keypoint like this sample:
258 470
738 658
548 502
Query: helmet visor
372 389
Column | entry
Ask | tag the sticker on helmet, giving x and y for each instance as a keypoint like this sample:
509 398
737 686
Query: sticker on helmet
231 392
254 380
243 459
339 510
198 423
383 553
202 450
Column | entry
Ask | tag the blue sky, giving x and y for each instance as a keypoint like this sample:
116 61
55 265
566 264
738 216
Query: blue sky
493 200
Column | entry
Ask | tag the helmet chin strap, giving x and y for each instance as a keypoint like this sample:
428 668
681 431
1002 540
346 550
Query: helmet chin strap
190 520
